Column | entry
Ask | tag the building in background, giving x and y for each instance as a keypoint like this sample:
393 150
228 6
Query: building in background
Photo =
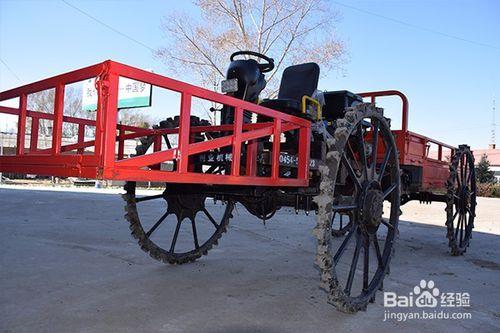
493 156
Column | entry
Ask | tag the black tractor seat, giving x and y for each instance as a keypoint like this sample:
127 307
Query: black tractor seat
286 105
297 81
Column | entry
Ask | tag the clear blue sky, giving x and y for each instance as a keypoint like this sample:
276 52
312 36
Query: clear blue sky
450 82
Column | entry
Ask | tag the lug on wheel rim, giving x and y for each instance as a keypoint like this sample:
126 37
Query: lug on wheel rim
353 267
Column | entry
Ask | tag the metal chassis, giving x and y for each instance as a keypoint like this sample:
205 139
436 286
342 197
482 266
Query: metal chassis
108 163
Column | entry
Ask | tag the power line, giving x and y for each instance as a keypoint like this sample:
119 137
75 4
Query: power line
108 26
10 70
418 27
414 26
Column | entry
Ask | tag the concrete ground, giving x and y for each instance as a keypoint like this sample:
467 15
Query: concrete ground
68 264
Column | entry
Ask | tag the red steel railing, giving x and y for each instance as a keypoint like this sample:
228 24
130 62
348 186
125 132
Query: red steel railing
107 162
404 132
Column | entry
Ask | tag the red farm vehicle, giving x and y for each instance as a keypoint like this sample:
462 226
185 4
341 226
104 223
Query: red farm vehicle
332 152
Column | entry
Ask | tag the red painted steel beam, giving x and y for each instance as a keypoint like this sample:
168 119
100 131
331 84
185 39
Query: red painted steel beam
439 143
35 125
49 160
194 148
21 124
251 165
199 147
184 133
51 170
109 115
238 127
146 160
304 153
67 78
58 119
48 116
275 164
404 100
202 178
81 139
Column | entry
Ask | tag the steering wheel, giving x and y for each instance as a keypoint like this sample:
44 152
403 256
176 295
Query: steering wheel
265 67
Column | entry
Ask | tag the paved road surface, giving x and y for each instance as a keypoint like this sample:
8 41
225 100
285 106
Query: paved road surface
68 264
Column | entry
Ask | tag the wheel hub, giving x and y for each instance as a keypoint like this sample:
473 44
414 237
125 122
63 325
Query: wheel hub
184 206
373 206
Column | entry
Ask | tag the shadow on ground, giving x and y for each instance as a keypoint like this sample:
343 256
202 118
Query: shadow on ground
69 265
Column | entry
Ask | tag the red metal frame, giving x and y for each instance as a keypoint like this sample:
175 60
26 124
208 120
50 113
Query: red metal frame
414 148
107 162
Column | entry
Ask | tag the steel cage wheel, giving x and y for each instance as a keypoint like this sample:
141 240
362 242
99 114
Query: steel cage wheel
182 208
351 282
461 201
182 212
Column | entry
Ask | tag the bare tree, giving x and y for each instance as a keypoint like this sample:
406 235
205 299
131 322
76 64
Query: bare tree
43 101
136 117
290 31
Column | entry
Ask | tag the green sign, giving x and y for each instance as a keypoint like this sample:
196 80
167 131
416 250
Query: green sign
131 94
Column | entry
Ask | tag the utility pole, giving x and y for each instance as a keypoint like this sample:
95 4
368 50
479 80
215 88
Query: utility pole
493 126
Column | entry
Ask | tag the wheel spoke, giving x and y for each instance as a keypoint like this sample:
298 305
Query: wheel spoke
195 234
354 263
351 172
466 176
388 153
469 176
459 222
176 234
387 223
374 148
342 246
351 153
377 251
468 227
390 189
210 218
464 221
157 224
345 207
459 173
151 197
362 150
455 216
470 211
462 168
366 263
333 216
